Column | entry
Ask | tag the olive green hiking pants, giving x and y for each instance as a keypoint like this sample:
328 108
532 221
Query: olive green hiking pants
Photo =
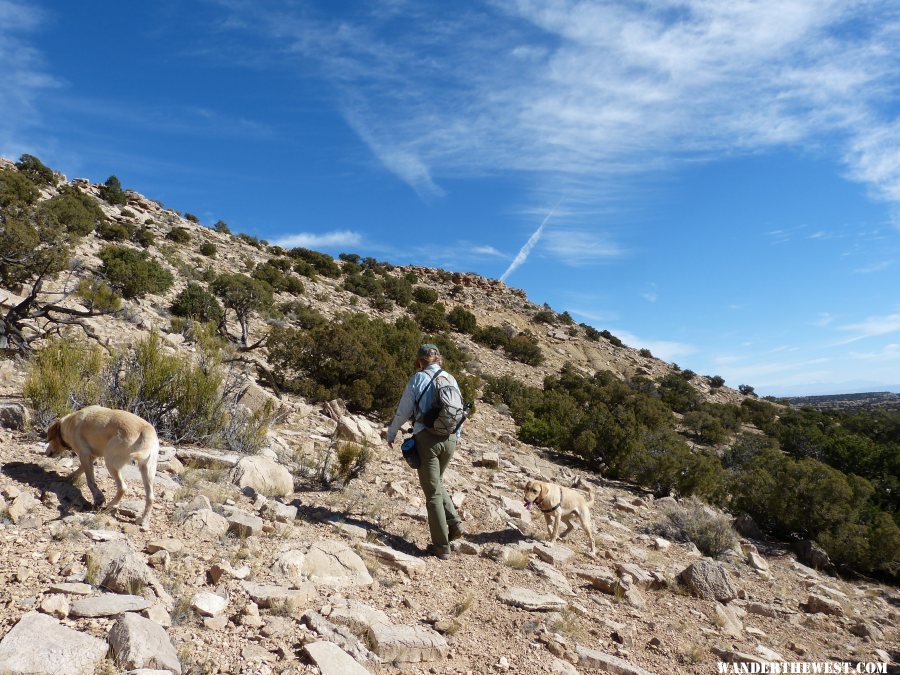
435 453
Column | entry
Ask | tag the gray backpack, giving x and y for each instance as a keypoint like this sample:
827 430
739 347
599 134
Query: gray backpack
448 411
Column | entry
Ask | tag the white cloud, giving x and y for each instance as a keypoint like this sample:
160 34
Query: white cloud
320 239
888 352
824 319
23 75
875 267
579 92
871 327
579 247
488 250
662 349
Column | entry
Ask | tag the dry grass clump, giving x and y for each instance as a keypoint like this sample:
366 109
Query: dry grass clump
694 521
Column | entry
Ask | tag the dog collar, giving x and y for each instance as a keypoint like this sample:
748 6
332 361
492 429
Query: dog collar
551 510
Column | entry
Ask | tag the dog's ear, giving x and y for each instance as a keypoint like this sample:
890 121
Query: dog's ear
54 438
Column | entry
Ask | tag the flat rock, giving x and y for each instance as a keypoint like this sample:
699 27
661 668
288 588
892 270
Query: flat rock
170 545
263 475
14 415
555 554
358 616
332 660
225 569
407 644
335 564
265 595
205 524
600 578
339 635
120 569
551 574
708 580
533 601
21 504
103 535
283 513
40 644
490 460
606 663
206 459
244 524
108 604
71 588
819 604
141 643
638 576
208 604
393 558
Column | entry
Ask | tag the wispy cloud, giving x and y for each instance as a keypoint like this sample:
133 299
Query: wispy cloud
871 327
321 239
23 75
875 267
589 90
488 250
666 350
579 247
824 319
888 353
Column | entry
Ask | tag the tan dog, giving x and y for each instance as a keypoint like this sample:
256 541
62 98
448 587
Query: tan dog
559 503
115 435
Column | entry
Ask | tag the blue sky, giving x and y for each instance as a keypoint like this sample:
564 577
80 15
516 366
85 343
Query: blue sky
717 181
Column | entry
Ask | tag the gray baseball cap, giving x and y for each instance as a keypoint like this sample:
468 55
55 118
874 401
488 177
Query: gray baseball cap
428 349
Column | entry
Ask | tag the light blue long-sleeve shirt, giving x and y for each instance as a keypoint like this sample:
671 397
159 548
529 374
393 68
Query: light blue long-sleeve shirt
407 406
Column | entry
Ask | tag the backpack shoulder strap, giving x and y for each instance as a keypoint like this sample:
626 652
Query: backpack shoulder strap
430 382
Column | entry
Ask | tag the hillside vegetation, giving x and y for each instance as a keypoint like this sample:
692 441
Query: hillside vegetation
232 345
649 424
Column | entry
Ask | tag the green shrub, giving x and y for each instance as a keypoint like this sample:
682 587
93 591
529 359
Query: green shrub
462 320
272 275
746 390
16 189
77 212
688 374
706 427
646 353
62 377
113 231
591 333
367 362
425 295
491 336
715 381
694 521
179 235
524 349
112 193
547 316
194 302
432 318
302 315
351 258
97 296
191 217
323 263
222 227
255 242
208 249
398 289
35 170
144 237
678 394
133 273
566 319
352 460
612 339
128 213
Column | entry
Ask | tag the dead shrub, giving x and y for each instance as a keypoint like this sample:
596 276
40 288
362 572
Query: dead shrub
694 521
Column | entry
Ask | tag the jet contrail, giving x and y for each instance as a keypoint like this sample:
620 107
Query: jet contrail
530 244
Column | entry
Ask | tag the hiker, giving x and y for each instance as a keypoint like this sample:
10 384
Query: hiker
435 450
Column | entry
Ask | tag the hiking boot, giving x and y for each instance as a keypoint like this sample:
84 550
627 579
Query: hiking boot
438 553
455 532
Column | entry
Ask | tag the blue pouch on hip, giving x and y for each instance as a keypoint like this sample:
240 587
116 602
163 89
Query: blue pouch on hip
410 453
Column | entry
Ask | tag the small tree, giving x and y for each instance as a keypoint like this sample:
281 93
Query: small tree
196 303
133 272
112 193
222 227
746 390
462 320
716 381
244 296
35 170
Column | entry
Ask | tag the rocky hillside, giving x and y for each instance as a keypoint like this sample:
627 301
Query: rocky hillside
253 564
